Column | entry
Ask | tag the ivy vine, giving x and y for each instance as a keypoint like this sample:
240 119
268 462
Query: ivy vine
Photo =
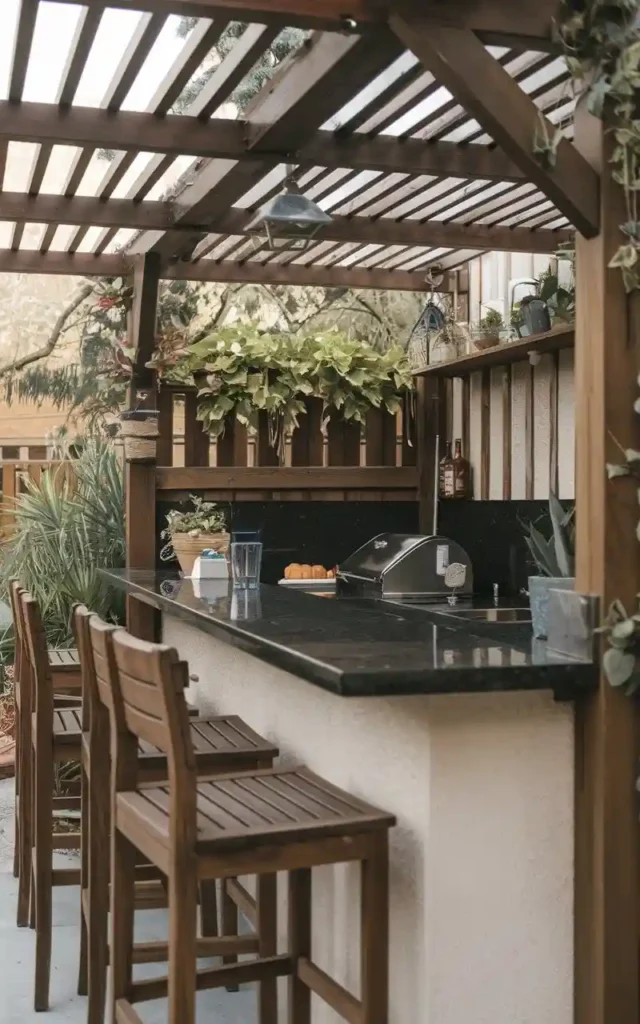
601 41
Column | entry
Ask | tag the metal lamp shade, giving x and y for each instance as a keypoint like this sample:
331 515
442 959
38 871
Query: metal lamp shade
288 221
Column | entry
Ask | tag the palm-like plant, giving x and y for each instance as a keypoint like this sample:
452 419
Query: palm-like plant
68 526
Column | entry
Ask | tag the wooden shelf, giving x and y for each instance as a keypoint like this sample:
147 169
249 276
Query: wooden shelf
502 355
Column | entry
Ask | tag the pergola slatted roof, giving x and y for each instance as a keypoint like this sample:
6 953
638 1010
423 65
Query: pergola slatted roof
384 124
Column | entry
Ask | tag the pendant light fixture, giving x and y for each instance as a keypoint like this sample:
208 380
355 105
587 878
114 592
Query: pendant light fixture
289 220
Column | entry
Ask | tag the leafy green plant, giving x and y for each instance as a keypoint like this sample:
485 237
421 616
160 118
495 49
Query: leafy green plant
206 517
621 661
602 46
554 556
491 322
247 372
68 526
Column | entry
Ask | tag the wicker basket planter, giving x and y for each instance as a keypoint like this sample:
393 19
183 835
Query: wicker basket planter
187 547
139 429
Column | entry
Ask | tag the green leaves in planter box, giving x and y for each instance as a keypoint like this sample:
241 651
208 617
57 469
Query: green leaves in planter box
249 371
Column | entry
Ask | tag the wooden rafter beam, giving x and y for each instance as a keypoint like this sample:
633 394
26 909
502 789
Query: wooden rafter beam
230 272
311 86
460 62
153 215
175 135
86 265
527 18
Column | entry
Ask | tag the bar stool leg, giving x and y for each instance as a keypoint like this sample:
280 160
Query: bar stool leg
24 837
43 870
299 943
84 856
230 915
208 909
374 942
97 918
267 927
183 922
123 868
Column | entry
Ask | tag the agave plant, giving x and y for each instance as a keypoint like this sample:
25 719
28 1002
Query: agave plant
68 526
555 555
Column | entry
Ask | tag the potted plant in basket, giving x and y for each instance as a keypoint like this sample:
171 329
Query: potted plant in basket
487 333
555 558
190 533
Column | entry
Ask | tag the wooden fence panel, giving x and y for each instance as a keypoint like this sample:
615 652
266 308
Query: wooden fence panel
307 442
196 441
381 438
231 448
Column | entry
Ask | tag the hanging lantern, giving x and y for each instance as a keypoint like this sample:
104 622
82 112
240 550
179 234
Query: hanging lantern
288 221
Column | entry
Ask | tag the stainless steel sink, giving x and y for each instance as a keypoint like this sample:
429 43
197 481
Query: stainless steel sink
501 615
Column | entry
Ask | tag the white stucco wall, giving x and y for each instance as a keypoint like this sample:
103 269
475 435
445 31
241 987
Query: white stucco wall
482 855
489 278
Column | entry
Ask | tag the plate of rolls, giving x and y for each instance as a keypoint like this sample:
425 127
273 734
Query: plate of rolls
308 577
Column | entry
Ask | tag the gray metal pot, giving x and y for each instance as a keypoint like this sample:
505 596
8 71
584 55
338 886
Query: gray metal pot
539 587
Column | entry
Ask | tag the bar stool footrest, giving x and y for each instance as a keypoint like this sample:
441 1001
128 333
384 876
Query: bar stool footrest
216 977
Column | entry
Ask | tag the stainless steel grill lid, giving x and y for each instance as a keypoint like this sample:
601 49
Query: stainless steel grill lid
407 566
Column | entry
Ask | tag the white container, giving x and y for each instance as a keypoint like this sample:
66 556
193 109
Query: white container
207 568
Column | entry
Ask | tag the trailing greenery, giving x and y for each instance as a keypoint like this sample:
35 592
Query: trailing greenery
554 556
67 527
621 661
286 41
602 45
247 371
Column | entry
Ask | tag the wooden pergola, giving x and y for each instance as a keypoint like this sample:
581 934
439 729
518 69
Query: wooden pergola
412 122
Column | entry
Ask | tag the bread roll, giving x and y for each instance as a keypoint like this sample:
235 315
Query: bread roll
305 572
293 572
318 572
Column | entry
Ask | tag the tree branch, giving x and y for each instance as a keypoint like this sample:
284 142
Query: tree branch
58 329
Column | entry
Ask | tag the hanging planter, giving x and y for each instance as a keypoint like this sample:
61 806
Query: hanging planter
139 429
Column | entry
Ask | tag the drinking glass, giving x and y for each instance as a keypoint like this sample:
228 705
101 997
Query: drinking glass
246 559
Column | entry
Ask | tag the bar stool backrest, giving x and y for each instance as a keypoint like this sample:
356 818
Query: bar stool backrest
21 663
94 711
155 711
37 655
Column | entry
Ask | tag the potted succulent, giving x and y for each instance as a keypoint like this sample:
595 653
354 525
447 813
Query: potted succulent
190 533
555 558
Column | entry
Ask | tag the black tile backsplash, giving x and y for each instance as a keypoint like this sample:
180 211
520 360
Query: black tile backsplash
315 532
492 534
326 532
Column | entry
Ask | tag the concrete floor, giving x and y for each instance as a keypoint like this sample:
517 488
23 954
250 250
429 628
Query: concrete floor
17 949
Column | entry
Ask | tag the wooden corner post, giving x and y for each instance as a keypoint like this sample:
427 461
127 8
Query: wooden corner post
140 480
607 912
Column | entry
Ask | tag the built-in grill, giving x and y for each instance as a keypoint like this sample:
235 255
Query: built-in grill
407 567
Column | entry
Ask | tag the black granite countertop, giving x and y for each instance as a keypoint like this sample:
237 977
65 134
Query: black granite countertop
359 648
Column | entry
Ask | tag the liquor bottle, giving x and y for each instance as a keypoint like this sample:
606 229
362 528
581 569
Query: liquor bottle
461 473
445 462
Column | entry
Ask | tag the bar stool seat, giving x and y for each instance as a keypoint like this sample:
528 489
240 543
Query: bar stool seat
67 727
277 806
220 742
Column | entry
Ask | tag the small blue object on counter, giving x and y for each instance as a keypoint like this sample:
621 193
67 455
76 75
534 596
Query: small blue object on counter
210 565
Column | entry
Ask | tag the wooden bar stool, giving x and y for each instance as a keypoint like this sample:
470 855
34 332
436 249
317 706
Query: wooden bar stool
65 682
248 823
222 743
55 738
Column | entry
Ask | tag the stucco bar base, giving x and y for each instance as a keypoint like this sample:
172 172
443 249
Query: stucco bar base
481 859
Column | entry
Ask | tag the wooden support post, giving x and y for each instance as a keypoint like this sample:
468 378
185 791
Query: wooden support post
607 907
431 418
140 484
